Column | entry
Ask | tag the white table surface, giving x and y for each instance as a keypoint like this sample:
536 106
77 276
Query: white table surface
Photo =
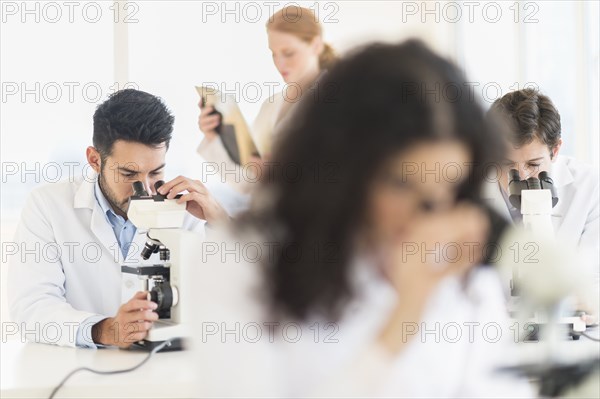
33 370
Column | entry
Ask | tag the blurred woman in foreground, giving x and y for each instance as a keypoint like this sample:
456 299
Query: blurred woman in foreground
356 271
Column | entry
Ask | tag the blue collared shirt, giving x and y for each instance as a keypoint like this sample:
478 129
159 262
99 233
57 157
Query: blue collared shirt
124 230
124 233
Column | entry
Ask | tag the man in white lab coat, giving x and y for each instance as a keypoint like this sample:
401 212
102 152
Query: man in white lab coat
65 284
532 125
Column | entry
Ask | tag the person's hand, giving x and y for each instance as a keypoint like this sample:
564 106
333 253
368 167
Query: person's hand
131 324
588 319
208 123
457 236
199 201
415 271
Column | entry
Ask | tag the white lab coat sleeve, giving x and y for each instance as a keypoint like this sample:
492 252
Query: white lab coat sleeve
192 223
221 163
590 235
227 364
84 333
36 282
214 151
364 376
489 346
492 340
590 238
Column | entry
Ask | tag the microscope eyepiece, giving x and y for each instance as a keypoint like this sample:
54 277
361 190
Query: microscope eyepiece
545 177
139 190
514 175
515 185
547 183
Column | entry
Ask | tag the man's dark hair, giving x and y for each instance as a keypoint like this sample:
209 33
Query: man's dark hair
131 115
529 114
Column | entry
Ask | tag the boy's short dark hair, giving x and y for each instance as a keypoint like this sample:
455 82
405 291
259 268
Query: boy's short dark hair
131 115
529 114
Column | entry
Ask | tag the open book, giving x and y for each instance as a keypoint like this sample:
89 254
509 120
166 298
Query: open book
233 129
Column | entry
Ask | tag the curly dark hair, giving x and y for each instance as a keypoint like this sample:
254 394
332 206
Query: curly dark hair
373 104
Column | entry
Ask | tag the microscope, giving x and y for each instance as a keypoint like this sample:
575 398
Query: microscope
541 287
535 197
161 220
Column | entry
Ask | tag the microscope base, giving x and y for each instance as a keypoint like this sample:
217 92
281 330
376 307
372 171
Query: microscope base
556 379
570 323
177 344
161 331
572 327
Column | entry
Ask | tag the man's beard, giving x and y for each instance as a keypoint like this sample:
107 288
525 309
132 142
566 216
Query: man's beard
111 197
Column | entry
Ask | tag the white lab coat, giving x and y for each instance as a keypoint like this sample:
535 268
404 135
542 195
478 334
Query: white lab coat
575 217
238 354
68 267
